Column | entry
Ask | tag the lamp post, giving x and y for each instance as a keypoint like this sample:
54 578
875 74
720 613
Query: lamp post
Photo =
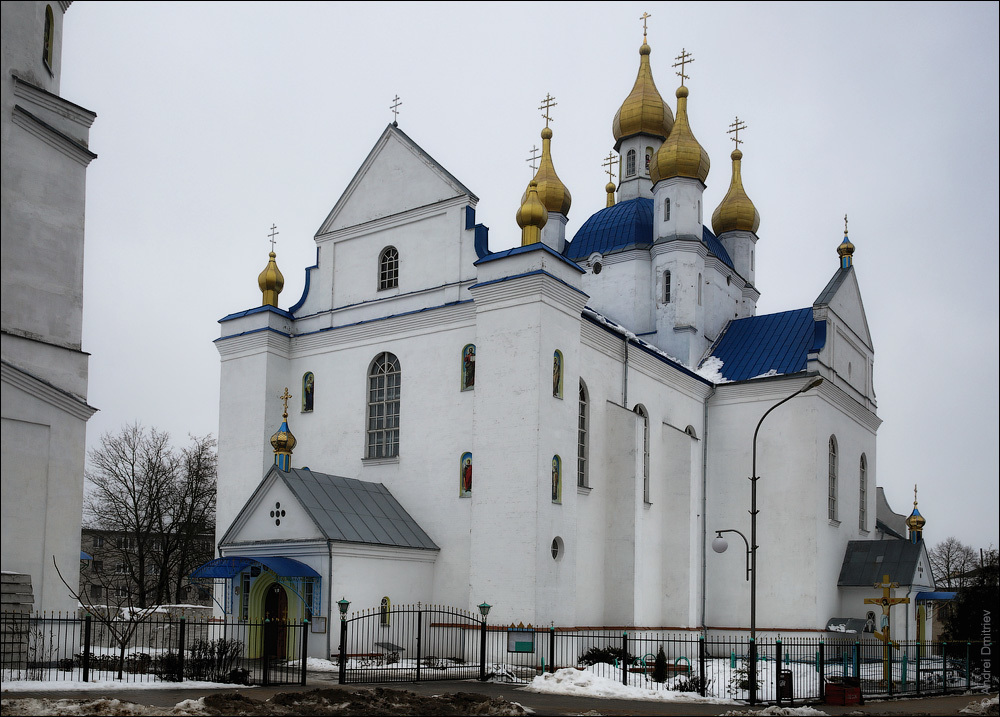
484 610
342 605
719 544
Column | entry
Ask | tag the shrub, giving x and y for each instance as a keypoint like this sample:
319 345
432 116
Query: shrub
213 661
660 666
609 655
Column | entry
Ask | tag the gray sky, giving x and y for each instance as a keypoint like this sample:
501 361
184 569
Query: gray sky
216 120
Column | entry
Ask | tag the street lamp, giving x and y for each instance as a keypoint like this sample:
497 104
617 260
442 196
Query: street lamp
484 610
719 544
342 605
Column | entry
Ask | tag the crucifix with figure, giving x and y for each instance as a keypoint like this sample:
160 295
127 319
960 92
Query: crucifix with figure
887 601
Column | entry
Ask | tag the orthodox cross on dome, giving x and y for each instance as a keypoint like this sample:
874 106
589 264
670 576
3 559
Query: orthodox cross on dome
683 58
734 129
645 16
395 109
845 234
284 401
273 234
609 165
547 104
533 158
887 602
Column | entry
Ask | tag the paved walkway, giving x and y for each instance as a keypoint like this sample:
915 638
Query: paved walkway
541 704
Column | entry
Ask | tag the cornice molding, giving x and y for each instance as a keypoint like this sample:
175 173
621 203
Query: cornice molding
52 137
45 391
54 103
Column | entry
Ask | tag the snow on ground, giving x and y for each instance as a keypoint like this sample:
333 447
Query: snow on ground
775 711
983 707
110 685
586 682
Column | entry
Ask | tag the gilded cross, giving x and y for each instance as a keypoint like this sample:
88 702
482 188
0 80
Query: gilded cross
284 400
609 164
734 129
645 16
886 601
684 58
547 104
533 158
395 108
273 234
845 234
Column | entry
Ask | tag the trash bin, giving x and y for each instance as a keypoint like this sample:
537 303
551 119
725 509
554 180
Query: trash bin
785 687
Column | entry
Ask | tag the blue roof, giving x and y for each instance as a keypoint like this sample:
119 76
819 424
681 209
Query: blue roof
231 566
627 225
781 343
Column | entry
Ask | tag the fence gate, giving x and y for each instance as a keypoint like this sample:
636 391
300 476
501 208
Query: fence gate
411 643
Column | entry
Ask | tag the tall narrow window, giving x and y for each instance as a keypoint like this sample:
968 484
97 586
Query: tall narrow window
649 157
556 479
308 391
384 381
557 374
245 596
581 438
832 481
641 411
666 209
630 163
666 287
699 289
863 493
388 268
49 37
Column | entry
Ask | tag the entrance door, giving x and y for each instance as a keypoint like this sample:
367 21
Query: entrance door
276 612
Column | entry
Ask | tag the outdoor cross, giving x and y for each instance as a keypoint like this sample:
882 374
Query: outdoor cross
609 164
395 108
735 129
845 234
548 103
533 158
685 57
886 601
284 400
273 234
645 16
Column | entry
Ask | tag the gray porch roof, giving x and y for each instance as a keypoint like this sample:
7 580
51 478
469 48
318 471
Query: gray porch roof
867 561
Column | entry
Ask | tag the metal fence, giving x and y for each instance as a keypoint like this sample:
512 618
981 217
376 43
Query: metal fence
431 642
151 648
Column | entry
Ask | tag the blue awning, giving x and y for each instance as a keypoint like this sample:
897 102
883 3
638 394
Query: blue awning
84 556
936 596
232 566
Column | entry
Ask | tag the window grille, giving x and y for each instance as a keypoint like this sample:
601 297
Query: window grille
384 381
581 438
832 497
863 494
388 268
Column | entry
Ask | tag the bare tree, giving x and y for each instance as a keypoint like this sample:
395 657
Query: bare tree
159 501
951 560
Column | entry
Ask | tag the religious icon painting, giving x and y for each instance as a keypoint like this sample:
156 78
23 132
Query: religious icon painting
557 374
556 479
469 367
308 391
465 476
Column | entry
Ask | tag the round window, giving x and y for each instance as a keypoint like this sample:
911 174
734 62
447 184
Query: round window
557 548
597 267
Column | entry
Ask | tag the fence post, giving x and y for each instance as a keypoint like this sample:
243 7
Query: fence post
968 666
552 649
420 622
752 675
482 650
180 651
917 676
777 670
86 648
821 658
305 650
342 677
265 651
701 665
888 677
944 667
855 662
625 660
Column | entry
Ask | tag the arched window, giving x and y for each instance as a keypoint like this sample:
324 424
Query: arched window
384 381
468 367
666 286
641 411
48 39
582 427
465 475
384 611
308 391
863 493
388 268
556 479
832 481
666 209
630 163
557 374
649 157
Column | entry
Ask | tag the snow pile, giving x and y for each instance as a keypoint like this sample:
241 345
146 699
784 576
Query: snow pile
774 710
586 682
711 370
109 686
99 707
990 705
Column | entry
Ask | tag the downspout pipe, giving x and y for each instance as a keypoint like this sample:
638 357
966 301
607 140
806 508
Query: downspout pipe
704 512
625 373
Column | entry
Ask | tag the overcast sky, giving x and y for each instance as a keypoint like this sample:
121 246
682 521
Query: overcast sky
217 120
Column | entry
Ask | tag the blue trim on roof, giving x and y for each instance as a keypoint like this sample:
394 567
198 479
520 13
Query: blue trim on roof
305 289
626 225
482 241
257 310
251 332
922 596
780 342
715 246
85 556
537 272
230 567
536 246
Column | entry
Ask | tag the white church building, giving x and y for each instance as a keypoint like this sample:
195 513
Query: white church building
558 429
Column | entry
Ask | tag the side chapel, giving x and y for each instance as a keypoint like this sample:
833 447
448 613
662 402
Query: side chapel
558 429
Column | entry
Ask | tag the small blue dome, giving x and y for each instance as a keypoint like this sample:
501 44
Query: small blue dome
626 225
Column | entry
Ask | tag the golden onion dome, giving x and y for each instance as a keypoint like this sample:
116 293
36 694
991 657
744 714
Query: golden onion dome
283 441
644 110
915 521
736 212
610 189
680 155
531 217
845 249
551 191
271 282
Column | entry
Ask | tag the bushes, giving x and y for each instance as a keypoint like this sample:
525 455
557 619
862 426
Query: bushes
214 661
660 666
609 655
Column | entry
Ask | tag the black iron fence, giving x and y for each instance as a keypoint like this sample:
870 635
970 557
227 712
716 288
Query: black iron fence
431 642
149 648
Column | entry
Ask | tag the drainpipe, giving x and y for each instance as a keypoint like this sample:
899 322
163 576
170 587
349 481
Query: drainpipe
625 374
329 600
704 511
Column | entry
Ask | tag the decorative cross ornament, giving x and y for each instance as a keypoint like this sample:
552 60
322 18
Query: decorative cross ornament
845 234
683 58
547 104
887 602
734 129
609 164
645 16
395 108
284 401
273 234
533 158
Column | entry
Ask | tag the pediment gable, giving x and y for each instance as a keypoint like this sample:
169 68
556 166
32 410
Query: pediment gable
397 176
842 297
273 512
